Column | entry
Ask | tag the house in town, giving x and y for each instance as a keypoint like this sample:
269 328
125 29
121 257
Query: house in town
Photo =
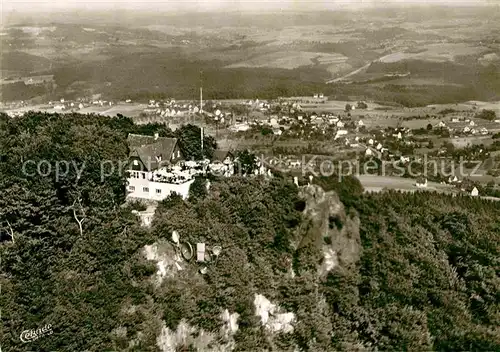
223 156
340 133
333 120
222 163
404 159
421 182
474 192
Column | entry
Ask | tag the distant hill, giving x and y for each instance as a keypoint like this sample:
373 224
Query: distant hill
22 62
450 54
21 91
170 74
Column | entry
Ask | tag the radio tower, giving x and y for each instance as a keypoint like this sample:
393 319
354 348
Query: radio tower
201 109
201 91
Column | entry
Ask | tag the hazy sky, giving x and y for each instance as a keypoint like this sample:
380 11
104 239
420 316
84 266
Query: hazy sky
212 5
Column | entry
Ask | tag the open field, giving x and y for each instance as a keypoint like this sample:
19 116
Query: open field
489 58
130 110
470 105
373 183
322 33
463 142
412 81
290 60
336 106
436 52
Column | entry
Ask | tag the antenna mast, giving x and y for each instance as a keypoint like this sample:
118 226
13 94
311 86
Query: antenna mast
201 91
201 110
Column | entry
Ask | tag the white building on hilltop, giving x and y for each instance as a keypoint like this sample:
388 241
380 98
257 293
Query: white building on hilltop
153 173
157 167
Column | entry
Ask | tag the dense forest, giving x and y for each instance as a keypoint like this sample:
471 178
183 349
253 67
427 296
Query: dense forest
351 271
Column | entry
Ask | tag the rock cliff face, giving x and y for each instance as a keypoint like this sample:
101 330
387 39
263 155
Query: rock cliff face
167 260
330 228
271 317
187 335
326 226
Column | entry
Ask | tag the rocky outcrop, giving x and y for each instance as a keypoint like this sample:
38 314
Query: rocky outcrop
327 225
186 335
330 228
168 260
272 317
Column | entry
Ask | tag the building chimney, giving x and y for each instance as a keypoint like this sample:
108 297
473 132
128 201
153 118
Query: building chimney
156 136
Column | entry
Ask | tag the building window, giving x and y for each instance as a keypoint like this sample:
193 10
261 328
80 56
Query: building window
178 153
145 189
136 162
173 155
158 191
131 188
143 175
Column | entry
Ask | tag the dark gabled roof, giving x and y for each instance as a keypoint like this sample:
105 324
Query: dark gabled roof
138 140
221 155
148 149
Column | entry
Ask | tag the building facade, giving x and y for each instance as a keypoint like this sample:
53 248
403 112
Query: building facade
150 169
151 190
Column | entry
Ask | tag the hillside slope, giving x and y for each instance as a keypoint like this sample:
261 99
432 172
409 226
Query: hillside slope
314 268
